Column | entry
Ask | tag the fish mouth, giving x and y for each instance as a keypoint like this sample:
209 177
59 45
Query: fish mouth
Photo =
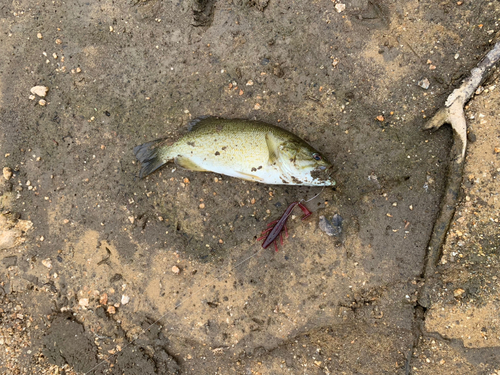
324 174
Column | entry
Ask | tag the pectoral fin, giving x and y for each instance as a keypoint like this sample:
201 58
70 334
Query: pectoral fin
273 146
187 163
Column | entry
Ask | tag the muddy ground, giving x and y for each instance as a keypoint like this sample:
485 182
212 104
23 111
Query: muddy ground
104 273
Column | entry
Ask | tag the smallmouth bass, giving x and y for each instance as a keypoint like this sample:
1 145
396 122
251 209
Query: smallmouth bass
250 150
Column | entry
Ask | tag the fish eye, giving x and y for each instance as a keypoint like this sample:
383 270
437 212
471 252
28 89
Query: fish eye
317 156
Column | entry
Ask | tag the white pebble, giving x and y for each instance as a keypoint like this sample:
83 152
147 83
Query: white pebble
340 7
424 83
39 90
125 299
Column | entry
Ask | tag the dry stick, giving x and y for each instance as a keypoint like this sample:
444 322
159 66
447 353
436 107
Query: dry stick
453 113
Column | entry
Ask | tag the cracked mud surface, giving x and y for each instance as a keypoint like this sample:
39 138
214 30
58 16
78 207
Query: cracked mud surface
104 273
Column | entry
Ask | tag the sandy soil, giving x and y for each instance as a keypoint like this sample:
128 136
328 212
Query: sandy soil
104 273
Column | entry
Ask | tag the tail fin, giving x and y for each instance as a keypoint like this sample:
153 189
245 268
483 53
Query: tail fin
149 156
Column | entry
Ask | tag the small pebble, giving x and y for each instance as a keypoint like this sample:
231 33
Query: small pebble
111 310
7 173
125 299
39 90
47 263
257 106
424 83
380 118
83 302
176 270
340 7
42 102
104 299
333 227
39 35
202 205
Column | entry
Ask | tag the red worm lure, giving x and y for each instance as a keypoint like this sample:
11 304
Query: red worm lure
275 228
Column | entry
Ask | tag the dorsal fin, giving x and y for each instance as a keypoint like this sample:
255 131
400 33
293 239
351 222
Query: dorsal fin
199 121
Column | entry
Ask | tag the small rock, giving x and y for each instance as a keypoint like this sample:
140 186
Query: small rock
458 292
7 173
47 263
424 83
111 310
104 299
39 35
256 106
125 299
333 227
39 90
202 205
83 302
278 71
340 7
176 270
42 102
380 118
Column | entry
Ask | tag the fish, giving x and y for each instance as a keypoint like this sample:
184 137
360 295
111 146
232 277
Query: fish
246 149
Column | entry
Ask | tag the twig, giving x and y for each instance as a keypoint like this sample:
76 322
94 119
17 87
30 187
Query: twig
453 113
